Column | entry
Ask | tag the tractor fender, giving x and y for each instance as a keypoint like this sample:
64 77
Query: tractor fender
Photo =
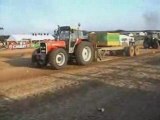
81 40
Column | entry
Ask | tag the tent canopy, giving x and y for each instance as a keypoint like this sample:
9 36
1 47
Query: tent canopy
24 37
19 37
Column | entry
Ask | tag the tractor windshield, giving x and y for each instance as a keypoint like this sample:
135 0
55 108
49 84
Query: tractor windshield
64 35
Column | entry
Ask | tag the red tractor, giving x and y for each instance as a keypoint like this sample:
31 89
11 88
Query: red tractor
69 44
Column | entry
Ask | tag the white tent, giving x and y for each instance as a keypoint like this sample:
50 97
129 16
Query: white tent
24 37
27 40
19 37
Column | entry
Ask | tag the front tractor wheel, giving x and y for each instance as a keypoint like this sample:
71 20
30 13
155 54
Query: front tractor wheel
36 62
84 53
58 58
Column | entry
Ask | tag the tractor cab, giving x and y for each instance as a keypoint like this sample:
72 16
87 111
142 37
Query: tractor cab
70 36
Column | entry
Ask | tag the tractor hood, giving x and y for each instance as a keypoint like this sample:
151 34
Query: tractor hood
54 44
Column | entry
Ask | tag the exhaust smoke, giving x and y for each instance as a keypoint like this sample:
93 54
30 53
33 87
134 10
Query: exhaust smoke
152 20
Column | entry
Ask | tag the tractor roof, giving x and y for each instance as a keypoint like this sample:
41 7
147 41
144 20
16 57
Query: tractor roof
65 28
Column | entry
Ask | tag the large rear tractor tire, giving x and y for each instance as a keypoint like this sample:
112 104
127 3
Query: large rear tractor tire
37 63
58 58
84 53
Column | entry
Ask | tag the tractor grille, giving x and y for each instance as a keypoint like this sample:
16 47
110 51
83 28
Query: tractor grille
43 47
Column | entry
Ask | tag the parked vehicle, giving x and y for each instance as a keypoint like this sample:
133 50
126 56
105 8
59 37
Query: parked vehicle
152 40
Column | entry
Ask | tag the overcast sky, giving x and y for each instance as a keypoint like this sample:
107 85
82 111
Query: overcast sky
25 16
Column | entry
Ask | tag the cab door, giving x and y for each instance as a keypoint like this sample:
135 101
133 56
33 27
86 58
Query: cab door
73 38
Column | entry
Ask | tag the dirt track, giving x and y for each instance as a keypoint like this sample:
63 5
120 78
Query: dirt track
127 90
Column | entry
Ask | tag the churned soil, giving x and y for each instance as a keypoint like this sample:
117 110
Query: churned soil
117 89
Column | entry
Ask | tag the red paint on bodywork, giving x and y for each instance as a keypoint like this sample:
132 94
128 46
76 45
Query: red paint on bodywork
55 44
